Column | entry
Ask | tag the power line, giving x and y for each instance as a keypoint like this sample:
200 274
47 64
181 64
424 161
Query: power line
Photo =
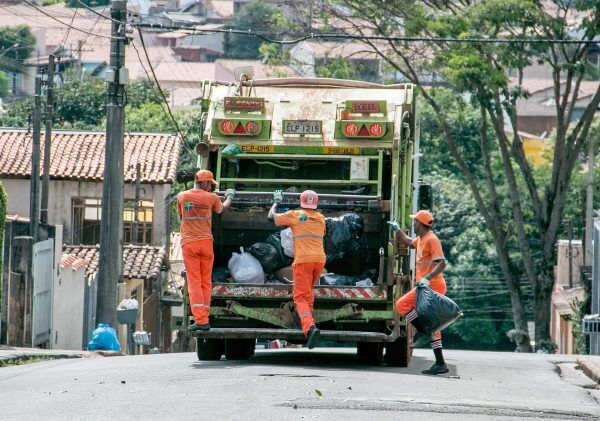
100 15
64 23
313 35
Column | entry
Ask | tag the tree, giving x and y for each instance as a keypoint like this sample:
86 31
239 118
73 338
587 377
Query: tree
3 85
480 70
91 3
17 42
257 16
337 68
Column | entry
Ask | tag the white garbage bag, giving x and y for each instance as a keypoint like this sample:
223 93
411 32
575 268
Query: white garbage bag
287 242
245 268
128 304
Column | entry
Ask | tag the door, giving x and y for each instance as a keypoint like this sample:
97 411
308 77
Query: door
43 273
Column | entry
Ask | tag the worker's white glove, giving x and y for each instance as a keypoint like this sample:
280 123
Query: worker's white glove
229 194
278 196
424 282
394 225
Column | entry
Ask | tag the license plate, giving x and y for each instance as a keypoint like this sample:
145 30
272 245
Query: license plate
301 127
257 148
341 150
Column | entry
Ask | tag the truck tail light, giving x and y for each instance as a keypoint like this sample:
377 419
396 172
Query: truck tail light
375 129
252 127
351 129
239 129
227 126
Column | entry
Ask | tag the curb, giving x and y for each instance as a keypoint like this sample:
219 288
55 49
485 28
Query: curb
591 368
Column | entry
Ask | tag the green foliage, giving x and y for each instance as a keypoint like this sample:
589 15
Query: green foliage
338 68
147 117
50 2
4 82
18 34
2 219
257 16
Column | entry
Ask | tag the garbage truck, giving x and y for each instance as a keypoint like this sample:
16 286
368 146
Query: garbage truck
356 144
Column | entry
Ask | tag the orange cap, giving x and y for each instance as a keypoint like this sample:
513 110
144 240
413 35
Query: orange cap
205 175
424 217
309 199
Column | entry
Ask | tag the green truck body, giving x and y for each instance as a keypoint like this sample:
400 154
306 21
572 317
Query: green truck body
355 143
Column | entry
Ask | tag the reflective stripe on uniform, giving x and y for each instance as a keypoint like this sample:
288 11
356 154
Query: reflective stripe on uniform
201 305
319 237
305 314
196 218
428 262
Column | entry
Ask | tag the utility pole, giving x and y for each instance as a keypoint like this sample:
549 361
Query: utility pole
34 196
136 205
589 204
79 62
47 139
110 268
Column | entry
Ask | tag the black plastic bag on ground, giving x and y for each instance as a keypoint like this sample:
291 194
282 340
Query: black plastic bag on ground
436 311
270 256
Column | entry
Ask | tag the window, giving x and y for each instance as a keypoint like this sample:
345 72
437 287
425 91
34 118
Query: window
88 212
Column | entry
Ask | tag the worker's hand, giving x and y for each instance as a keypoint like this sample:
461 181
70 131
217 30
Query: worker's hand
394 225
278 196
424 282
229 194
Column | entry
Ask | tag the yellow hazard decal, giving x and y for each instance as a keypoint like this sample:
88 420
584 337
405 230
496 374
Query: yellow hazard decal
257 148
341 150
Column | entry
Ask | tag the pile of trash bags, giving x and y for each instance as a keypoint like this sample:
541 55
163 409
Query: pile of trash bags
345 249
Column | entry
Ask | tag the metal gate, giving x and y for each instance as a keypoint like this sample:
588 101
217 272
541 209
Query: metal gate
43 279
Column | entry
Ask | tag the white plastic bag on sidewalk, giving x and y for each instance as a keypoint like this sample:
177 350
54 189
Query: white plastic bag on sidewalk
287 242
245 268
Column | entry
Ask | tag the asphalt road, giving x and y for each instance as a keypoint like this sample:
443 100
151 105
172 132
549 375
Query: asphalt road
292 385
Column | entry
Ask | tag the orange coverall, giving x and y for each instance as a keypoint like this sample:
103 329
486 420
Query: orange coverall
429 252
308 229
195 210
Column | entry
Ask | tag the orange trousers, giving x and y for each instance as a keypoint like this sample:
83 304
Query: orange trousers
408 301
198 259
306 276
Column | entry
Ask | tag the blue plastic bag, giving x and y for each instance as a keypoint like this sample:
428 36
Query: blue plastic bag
104 338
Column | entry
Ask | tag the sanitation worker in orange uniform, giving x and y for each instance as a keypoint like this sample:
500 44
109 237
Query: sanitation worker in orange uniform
429 267
196 207
308 230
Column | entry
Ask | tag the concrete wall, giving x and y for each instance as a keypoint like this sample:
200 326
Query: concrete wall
63 191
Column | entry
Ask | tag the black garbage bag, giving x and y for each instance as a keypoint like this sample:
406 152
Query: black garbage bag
345 245
337 280
436 311
270 256
220 275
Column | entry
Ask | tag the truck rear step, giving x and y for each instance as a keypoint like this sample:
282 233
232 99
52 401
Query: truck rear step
292 334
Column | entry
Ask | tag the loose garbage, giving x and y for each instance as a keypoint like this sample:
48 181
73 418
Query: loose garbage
128 304
245 268
436 311
345 247
104 338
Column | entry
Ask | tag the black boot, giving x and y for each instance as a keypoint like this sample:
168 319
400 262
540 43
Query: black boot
313 337
195 327
439 367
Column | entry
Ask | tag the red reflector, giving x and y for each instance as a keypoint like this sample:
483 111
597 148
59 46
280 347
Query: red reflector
364 131
252 127
351 129
227 126
376 129
239 129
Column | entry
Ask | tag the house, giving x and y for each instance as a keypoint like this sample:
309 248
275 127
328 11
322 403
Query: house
182 80
76 173
144 278
561 323
224 69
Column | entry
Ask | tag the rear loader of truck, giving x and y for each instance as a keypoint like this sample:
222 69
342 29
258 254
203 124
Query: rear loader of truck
355 144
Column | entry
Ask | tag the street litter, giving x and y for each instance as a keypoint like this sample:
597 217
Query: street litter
128 304
104 338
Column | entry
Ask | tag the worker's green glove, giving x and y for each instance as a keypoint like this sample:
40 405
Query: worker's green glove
394 225
229 194
278 196
424 282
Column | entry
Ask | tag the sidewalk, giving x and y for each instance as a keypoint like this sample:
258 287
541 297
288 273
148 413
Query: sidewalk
10 355
590 364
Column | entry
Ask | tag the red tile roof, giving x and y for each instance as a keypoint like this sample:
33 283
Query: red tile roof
141 262
80 155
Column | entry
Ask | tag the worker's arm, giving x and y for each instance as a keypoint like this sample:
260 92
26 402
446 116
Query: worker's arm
277 199
405 239
229 195
437 270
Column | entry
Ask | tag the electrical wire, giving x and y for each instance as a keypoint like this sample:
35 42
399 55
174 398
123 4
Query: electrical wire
100 15
64 23
313 35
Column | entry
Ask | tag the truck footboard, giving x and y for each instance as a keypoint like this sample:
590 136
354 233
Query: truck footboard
293 334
